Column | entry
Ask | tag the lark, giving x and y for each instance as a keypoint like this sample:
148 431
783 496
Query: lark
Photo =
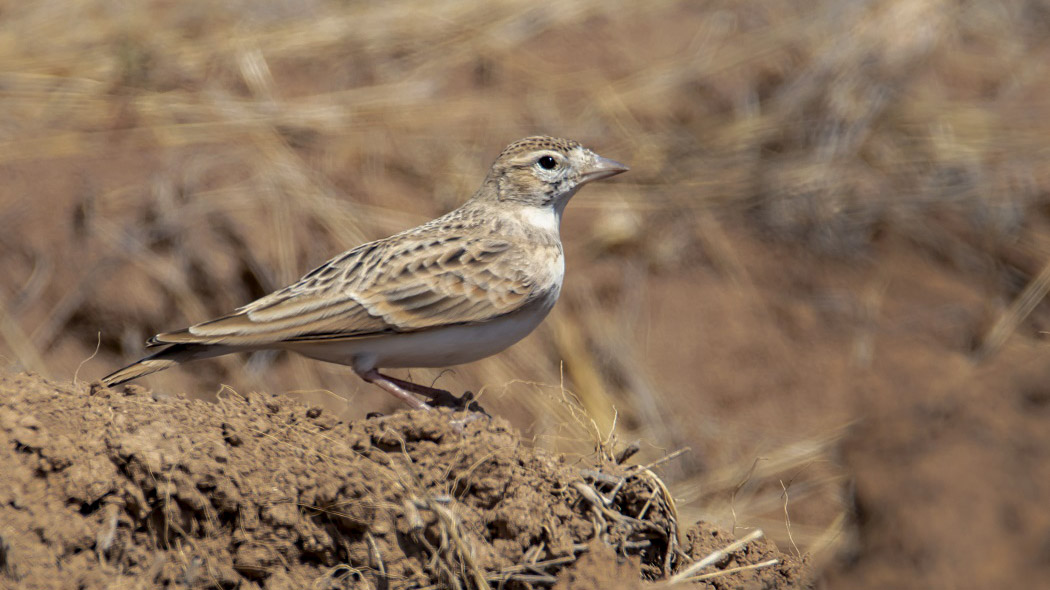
460 288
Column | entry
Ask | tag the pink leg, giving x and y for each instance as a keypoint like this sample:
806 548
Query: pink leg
403 390
431 392
396 387
438 397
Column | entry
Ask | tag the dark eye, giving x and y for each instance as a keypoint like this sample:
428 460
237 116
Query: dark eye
547 163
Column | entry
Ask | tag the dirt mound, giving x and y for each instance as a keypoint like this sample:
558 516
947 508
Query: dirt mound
108 489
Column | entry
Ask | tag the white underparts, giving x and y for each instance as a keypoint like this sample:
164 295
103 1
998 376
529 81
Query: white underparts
437 347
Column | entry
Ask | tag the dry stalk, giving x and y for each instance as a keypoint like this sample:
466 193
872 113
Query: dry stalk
715 556
77 372
732 570
1012 316
787 520
653 528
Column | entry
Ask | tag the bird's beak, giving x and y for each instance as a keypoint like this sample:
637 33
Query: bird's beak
602 168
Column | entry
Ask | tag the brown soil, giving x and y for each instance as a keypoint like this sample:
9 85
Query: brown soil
121 489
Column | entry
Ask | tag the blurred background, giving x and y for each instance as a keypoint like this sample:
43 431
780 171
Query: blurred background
823 276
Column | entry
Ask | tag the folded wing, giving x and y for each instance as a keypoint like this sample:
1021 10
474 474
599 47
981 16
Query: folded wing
394 286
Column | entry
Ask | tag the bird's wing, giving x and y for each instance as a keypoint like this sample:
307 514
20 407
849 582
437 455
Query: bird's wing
403 285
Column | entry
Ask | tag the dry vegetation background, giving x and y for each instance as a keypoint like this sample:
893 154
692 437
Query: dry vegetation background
824 273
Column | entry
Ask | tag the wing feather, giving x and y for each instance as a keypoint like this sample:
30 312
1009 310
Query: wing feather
409 284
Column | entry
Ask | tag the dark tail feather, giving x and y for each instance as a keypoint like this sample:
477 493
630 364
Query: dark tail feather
169 357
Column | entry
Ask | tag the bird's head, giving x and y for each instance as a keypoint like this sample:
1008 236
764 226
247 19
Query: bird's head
546 171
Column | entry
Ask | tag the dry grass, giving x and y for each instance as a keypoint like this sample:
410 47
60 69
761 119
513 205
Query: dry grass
165 162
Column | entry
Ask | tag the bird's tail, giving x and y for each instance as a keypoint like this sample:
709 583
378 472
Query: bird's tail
169 357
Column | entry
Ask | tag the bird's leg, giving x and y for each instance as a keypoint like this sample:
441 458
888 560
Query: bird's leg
438 397
395 388
430 392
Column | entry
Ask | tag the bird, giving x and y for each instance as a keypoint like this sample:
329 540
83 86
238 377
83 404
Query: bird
459 288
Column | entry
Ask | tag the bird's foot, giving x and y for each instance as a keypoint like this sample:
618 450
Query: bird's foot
465 402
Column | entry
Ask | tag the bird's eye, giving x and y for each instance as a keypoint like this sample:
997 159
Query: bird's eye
547 162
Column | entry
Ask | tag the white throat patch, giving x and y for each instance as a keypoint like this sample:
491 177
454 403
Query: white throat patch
542 218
